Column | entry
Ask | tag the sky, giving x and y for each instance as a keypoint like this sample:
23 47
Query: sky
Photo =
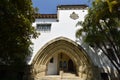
50 6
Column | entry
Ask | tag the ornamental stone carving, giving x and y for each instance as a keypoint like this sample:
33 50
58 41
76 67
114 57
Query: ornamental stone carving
74 16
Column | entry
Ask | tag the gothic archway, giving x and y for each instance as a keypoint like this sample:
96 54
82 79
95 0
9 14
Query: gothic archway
82 62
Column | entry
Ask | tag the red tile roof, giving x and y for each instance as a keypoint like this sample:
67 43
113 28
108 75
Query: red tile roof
54 16
83 6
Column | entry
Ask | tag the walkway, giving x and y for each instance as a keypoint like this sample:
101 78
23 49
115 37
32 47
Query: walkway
65 76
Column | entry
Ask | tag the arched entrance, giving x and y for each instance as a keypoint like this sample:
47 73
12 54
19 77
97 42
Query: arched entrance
64 63
66 55
59 62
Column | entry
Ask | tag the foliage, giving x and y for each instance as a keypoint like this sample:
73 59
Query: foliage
102 29
16 17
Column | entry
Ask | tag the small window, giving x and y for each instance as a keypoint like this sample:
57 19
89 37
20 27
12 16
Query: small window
51 60
61 55
60 64
43 27
64 64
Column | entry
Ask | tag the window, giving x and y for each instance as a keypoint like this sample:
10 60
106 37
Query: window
51 60
43 27
64 64
61 56
60 64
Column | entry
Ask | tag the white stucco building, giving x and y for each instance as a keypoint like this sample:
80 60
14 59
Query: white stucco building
56 50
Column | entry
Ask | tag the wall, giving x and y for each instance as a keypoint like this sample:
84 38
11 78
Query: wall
52 67
65 27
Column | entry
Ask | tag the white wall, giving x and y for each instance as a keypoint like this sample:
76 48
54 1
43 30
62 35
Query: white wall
52 67
64 27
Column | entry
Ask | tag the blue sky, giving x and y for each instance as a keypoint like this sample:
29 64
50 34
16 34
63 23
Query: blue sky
49 6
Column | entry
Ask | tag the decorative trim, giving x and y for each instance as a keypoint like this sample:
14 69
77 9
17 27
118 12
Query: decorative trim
50 16
69 7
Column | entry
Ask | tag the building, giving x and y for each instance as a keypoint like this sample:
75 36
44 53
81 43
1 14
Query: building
57 52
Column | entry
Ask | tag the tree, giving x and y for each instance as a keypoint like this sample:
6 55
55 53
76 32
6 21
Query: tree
102 29
16 18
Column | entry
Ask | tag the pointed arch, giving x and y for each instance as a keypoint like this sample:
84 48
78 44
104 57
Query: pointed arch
62 45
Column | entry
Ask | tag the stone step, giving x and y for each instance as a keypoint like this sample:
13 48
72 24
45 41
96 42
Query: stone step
64 76
69 74
60 78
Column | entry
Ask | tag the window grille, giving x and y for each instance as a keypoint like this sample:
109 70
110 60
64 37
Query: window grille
43 27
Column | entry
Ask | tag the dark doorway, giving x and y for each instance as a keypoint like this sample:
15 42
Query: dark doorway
104 76
70 66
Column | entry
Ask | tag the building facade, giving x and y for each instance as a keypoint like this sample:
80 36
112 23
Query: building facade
57 52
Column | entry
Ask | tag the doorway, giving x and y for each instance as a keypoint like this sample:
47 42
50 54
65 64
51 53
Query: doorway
70 66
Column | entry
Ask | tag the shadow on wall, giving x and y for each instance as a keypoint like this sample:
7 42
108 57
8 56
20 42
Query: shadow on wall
108 71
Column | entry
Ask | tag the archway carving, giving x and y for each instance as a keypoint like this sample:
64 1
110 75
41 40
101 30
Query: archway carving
84 65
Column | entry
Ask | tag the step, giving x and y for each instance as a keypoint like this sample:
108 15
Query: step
59 78
69 74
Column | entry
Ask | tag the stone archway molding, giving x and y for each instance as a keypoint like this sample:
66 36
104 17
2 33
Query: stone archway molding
84 65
